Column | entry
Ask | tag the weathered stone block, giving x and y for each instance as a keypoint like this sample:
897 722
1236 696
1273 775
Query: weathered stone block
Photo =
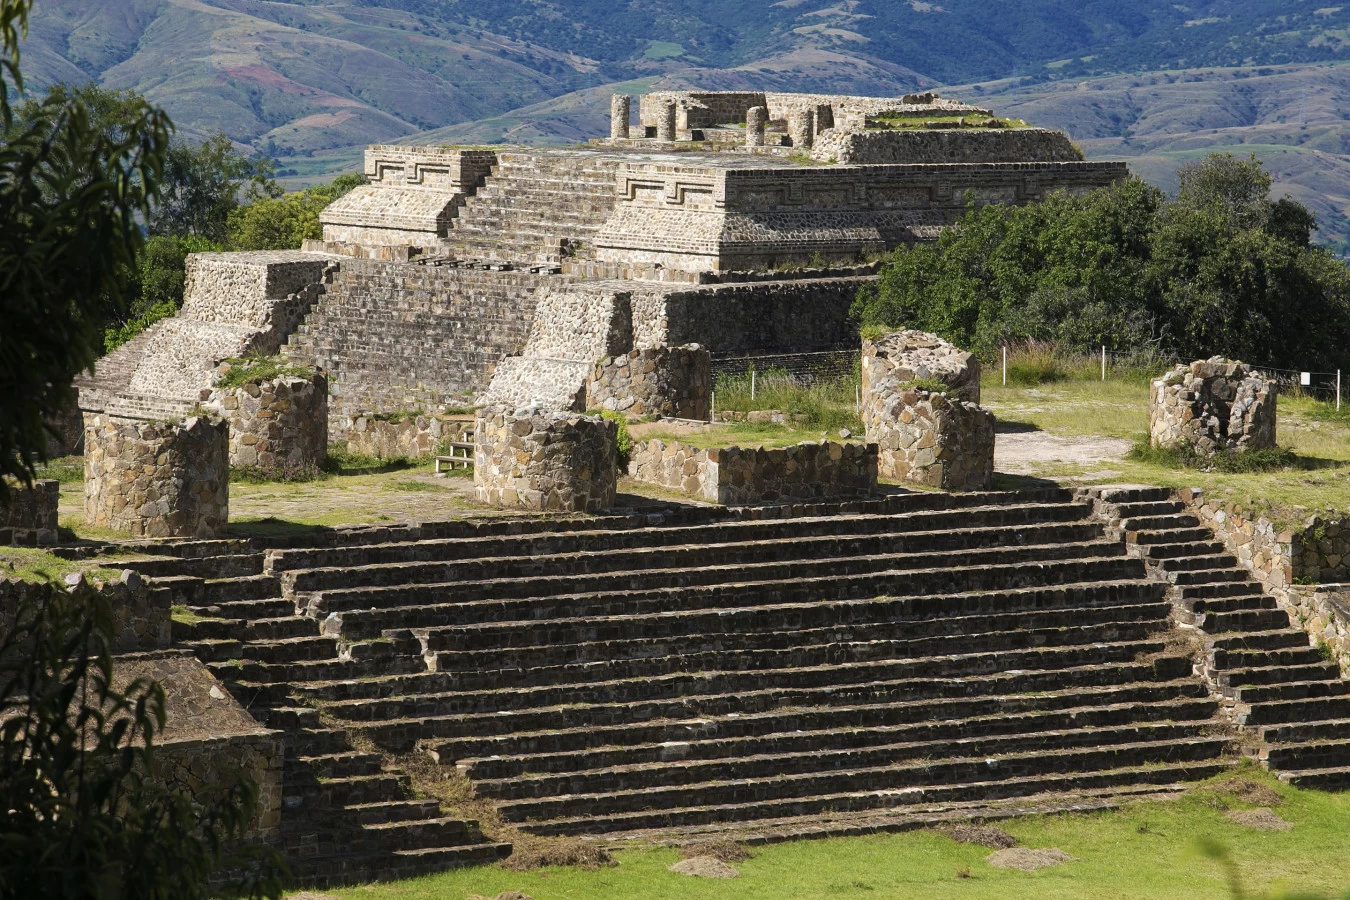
29 517
280 423
540 459
654 381
919 356
826 470
1213 405
186 465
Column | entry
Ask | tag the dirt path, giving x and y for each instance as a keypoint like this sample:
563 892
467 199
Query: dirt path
1034 452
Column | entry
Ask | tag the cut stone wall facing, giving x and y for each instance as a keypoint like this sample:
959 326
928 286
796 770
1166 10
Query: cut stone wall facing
654 381
904 356
959 145
543 460
411 436
737 475
1213 405
29 517
280 424
156 479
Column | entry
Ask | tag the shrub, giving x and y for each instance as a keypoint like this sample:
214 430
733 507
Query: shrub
624 444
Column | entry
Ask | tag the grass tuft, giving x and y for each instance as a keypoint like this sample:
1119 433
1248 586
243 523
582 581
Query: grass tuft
257 369
1226 461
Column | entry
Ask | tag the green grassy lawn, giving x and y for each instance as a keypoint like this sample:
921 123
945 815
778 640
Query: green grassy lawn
1152 849
1119 408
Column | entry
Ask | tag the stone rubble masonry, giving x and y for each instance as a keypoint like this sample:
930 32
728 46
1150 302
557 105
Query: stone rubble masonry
705 109
29 517
801 125
620 110
543 460
735 475
1321 550
1213 405
157 479
571 329
666 122
654 381
277 424
235 304
941 439
917 355
955 145
142 617
1324 612
930 438
410 436
755 119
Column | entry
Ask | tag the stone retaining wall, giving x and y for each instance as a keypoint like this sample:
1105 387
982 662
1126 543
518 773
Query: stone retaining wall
931 438
1324 612
826 470
957 145
654 381
156 479
29 517
411 437
1213 405
142 617
277 425
540 459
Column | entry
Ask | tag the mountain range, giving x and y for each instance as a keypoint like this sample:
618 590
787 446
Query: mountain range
310 82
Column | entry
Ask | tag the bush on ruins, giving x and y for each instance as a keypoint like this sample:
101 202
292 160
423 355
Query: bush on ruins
1218 270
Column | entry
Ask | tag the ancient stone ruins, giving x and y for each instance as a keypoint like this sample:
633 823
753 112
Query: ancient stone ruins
788 651
1213 405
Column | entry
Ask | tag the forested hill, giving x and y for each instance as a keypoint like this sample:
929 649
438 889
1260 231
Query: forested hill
317 75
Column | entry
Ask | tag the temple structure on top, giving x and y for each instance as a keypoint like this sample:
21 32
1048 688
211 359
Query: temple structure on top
744 222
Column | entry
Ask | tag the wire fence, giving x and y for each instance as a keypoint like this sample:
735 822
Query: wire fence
803 368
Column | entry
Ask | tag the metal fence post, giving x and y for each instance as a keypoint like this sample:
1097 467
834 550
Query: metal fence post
1005 365
1103 362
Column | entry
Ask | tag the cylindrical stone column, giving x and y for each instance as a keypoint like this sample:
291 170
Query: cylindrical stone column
755 117
665 122
544 460
620 106
801 127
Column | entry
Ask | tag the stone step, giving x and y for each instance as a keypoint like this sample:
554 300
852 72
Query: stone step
311 670
216 592
1306 755
208 567
1207 576
1198 563
635 775
1219 590
1185 699
1229 604
1080 687
1279 712
386 811
345 764
1292 654
875 789
1247 620
1160 523
705 742
335 793
1222 646
1278 674
1169 536
1311 731
1185 550
1335 778
272 608
924 676
1140 508
945 636
1029 544
1019 649
1131 493
1292 690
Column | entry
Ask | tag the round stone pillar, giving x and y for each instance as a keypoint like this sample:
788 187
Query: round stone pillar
620 107
543 460
755 117
802 127
665 122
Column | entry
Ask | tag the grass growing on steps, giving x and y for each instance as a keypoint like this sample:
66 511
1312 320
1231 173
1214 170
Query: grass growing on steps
1154 849
34 564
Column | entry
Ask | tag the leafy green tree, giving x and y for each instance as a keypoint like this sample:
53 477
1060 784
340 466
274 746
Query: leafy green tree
84 816
204 184
156 285
286 222
1220 269
71 194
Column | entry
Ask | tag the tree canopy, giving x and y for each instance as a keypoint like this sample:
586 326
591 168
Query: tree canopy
1219 270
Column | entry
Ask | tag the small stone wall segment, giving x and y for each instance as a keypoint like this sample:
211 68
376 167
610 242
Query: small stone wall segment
142 617
956 145
907 355
1213 405
543 460
931 438
242 288
29 517
409 437
736 475
156 479
755 119
276 425
654 381
620 110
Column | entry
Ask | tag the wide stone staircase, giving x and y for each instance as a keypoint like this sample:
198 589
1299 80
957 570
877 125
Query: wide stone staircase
1286 697
758 673
537 207
398 336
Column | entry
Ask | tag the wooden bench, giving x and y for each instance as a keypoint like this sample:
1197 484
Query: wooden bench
461 456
